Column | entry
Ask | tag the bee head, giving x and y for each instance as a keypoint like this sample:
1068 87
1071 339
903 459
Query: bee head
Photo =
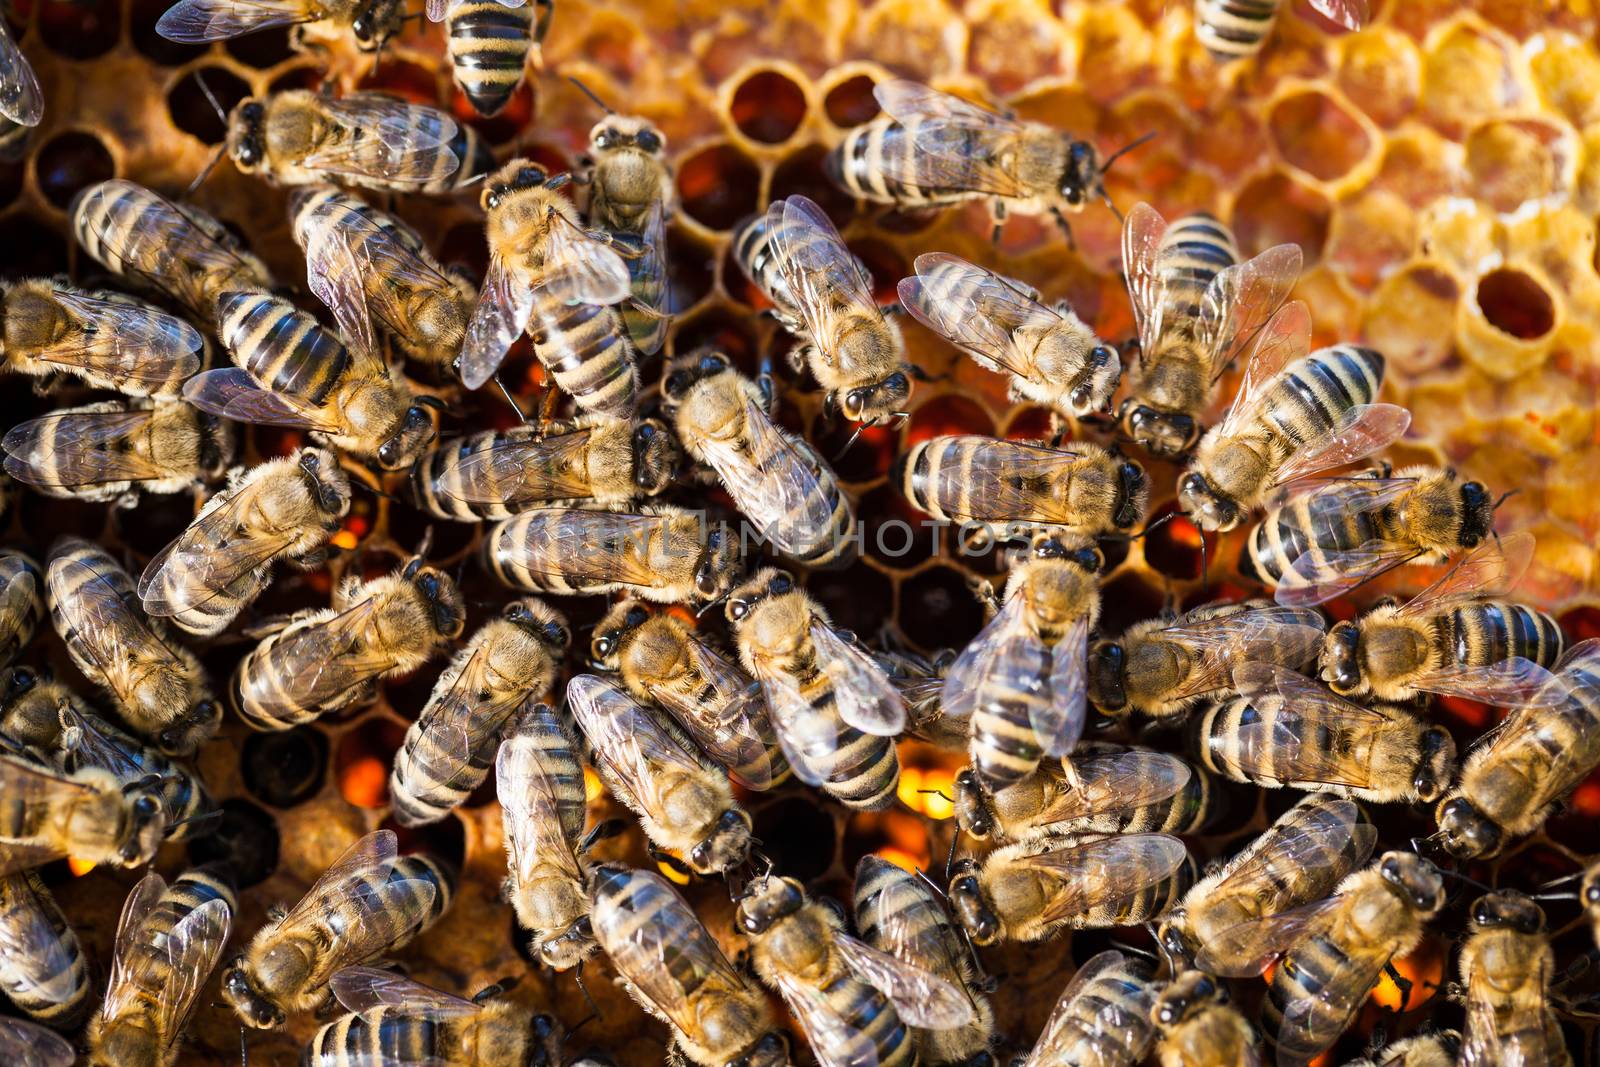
974 814
19 681
329 484
406 444
622 620
542 621
1465 832
718 567
1080 178
727 845
569 948
685 372
1160 433
656 457
1341 658
372 22
879 400
240 992
517 176
626 131
767 900
1133 495
1186 995
1107 660
972 907
1477 513
439 593
1508 909
769 583
1209 509
1414 878
183 736
1084 555
1436 764
771 1051
246 138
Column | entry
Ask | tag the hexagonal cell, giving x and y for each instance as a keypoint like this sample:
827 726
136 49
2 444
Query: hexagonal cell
192 111
801 173
852 596
798 834
285 769
12 173
1127 599
1371 234
1011 44
1173 546
1468 76
33 248
1276 208
1411 317
1516 304
153 46
851 103
1567 72
71 161
263 49
443 840
362 762
405 80
767 106
856 452
1318 135
1420 167
82 29
938 610
920 41
948 414
717 186
1381 73
246 839
693 269
1516 161
886 509
1119 47
721 329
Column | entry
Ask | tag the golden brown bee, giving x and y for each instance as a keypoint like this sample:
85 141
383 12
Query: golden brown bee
325 659
89 814
281 509
169 940
920 681
1425 1050
292 372
369 902
1294 415
108 340
395 1021
661 553
43 972
1023 681
29 1045
904 915
1196 307
1163 667
1053 358
1102 1018
1325 542
674 969
835 712
776 479
370 22
630 197
1507 967
823 296
1033 890
371 269
1237 29
21 99
590 460
117 449
1297 860
173 249
855 1003
1514 777
21 603
298 137
1458 637
510 662
490 42
1286 731
553 279
662 660
1011 488
159 687
683 799
1199 1028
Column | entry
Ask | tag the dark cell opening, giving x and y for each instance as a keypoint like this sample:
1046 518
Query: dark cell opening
285 769
246 839
154 521
82 29
802 174
850 103
69 162
406 80
1316 134
1516 304
1275 209
717 186
768 107
192 111
363 761
854 597
938 609
11 175
297 78
886 516
868 457
692 267
948 414
886 266
504 124
31 249
263 49
798 835
1125 601
721 329
443 840
1173 548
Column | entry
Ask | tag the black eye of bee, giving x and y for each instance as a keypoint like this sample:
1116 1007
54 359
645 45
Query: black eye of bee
781 583
252 112
605 138
678 381
530 176
636 617
648 140
604 646
738 609
146 807
557 634
361 26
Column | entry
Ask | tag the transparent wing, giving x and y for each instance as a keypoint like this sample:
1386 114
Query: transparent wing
648 281
48 974
521 469
1357 433
1318 577
1241 299
599 546
531 812
1510 681
21 99
1245 949
1285 338
108 630
1351 14
25 1044
459 719
1280 634
1117 781
72 449
833 1040
974 308
1005 649
922 998
1058 721
122 339
132 941
634 743
1317 1021
955 141
178 962
732 726
86 744
808 737
863 695
580 270
1009 474
1101 871
320 662
824 275
1489 571
1094 967
1142 234
337 272
194 21
364 988
412 139
505 304
210 555
1310 739
234 393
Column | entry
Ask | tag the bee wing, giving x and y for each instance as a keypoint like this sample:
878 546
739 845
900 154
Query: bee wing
1241 299
1118 781
922 998
954 141
456 718
25 1044
1285 338
864 697
1005 647
319 662
21 99
49 976
734 731
505 304
234 393
522 469
649 286
1482 1043
1491 570
975 309
178 962
1058 722
85 744
361 989
1101 871
1011 467
195 21
209 555
834 1041
1043 1054
1244 949
634 743
581 270
1280 634
124 340
107 629
1351 14
1142 234
808 737
825 277
360 894
71 449
531 811
412 136
1356 434
337 269
29 787
1300 738
1557 718
601 546
1318 577
1317 1021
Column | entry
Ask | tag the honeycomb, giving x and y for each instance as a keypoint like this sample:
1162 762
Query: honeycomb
1440 169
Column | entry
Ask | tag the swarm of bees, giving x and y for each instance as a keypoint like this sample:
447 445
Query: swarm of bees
674 488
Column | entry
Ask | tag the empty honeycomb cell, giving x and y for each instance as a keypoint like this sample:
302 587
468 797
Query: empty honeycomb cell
154 521
693 274
297 77
82 29
1318 135
801 174
853 596
718 185
193 112
69 162
767 106
1380 71
1012 43
12 173
937 609
1515 161
1172 546
463 246
445 839
246 839
505 124
948 414
285 769
32 248
1467 77
1276 208
911 37
723 330
1126 599
362 761
886 506
1516 304
1031 424
851 103
1411 316
1567 74
1370 235
263 49
798 835
1420 167
865 459
153 46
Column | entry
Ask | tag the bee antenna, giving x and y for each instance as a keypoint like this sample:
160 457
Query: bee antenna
1124 150
1563 880
853 437
950 858
702 612
1154 526
211 97
211 164
510 399
1458 876
244 1048
1507 495
204 816
590 93
1552 896
936 792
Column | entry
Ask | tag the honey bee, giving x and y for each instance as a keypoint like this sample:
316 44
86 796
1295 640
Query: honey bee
1237 29
292 372
1052 356
169 940
43 972
1333 952
1023 681
1456 638
682 798
21 602
281 509
25 1044
1102 1018
590 460
509 662
89 814
904 915
1103 789
661 553
855 1003
21 99
1425 1050
920 681
1507 966
1163 667
117 449
489 45
394 1022
1195 307
1513 778
931 149
368 902
84 740
662 660
823 296
630 197
325 659
551 278
774 477
1294 415
370 22
1032 890
835 712
1199 1028
1024 486
173 249
1286 731
670 964
298 137
372 269
1331 539
159 687
1297 860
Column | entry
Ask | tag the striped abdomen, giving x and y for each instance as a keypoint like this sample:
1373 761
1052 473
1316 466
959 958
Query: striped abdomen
773 460
1086 1036
146 954
1194 250
864 769
1293 528
857 165
752 249
22 590
434 872
284 348
527 470
868 1012
381 1035
1300 979
586 350
1490 631
1185 812
1004 749
1311 395
1234 29
42 971
1147 905
489 45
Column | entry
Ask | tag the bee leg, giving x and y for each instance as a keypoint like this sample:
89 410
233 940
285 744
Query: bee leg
768 386
541 25
1401 982
601 831
983 589
998 211
1066 229
490 992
